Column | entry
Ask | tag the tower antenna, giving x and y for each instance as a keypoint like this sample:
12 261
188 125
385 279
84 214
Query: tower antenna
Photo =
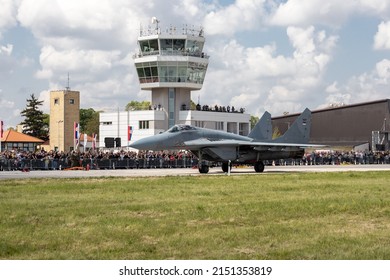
156 22
68 87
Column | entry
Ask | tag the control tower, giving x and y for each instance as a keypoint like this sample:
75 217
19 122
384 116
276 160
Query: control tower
171 63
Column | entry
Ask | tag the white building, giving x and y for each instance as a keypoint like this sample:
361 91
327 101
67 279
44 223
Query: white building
143 123
171 63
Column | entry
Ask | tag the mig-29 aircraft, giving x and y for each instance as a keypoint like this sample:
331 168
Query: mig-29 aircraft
218 146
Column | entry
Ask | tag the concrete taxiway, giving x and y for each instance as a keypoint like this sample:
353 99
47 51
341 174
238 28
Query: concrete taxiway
186 171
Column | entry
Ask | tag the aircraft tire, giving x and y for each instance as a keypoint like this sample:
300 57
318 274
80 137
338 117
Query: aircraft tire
259 166
225 167
204 169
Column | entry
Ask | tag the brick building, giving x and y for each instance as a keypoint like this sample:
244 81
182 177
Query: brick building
64 112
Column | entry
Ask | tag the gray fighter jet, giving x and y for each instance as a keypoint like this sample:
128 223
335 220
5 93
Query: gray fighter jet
228 148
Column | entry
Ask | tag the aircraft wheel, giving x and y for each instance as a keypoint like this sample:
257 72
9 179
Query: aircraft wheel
259 166
203 169
226 166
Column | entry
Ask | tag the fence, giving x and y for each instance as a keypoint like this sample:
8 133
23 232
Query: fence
110 163
128 163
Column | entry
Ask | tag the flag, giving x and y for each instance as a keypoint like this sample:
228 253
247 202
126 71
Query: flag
76 134
129 132
76 131
85 140
1 129
94 136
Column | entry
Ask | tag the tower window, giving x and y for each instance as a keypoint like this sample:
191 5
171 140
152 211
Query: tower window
143 124
219 125
56 101
71 101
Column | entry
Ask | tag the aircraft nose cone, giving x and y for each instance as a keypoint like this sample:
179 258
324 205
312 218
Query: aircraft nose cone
140 144
144 144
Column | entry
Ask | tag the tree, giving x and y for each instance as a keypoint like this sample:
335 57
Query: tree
136 105
85 116
33 123
253 121
193 105
46 120
89 121
276 133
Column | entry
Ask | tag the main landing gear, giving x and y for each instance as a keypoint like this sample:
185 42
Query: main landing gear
203 168
259 166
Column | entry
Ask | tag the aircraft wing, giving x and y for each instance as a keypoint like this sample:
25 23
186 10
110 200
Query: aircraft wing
259 146
205 143
224 150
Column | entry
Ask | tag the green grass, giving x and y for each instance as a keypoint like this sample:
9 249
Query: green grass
267 216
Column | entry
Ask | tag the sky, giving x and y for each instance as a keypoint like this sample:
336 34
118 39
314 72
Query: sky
265 55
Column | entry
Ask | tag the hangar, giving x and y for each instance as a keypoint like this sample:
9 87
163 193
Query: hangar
361 124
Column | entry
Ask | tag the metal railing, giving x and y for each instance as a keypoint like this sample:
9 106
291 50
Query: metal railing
109 163
129 163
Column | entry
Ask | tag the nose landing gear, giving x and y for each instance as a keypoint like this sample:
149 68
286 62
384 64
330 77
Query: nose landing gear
226 166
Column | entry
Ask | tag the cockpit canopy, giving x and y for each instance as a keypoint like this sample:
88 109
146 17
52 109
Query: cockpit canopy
180 127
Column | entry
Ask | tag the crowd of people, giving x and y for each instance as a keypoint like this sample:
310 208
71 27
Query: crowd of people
198 107
42 160
340 157
217 108
24 160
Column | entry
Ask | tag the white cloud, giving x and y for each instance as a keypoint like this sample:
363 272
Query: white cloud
383 71
45 97
239 16
83 24
335 96
368 86
382 37
331 12
44 74
189 8
302 39
85 62
6 104
374 7
7 63
311 55
7 14
6 50
308 12
261 79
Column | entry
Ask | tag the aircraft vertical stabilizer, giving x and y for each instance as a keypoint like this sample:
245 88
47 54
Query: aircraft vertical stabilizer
263 129
299 132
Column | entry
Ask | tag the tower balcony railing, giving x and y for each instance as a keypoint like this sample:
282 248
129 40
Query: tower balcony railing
176 79
171 53
172 30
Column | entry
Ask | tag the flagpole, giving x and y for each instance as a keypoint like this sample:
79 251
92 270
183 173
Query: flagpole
128 123
74 136
1 133
85 142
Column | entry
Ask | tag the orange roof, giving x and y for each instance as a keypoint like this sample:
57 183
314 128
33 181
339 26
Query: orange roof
11 136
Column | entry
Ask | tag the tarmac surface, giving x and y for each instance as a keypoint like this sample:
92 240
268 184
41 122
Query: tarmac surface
155 172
